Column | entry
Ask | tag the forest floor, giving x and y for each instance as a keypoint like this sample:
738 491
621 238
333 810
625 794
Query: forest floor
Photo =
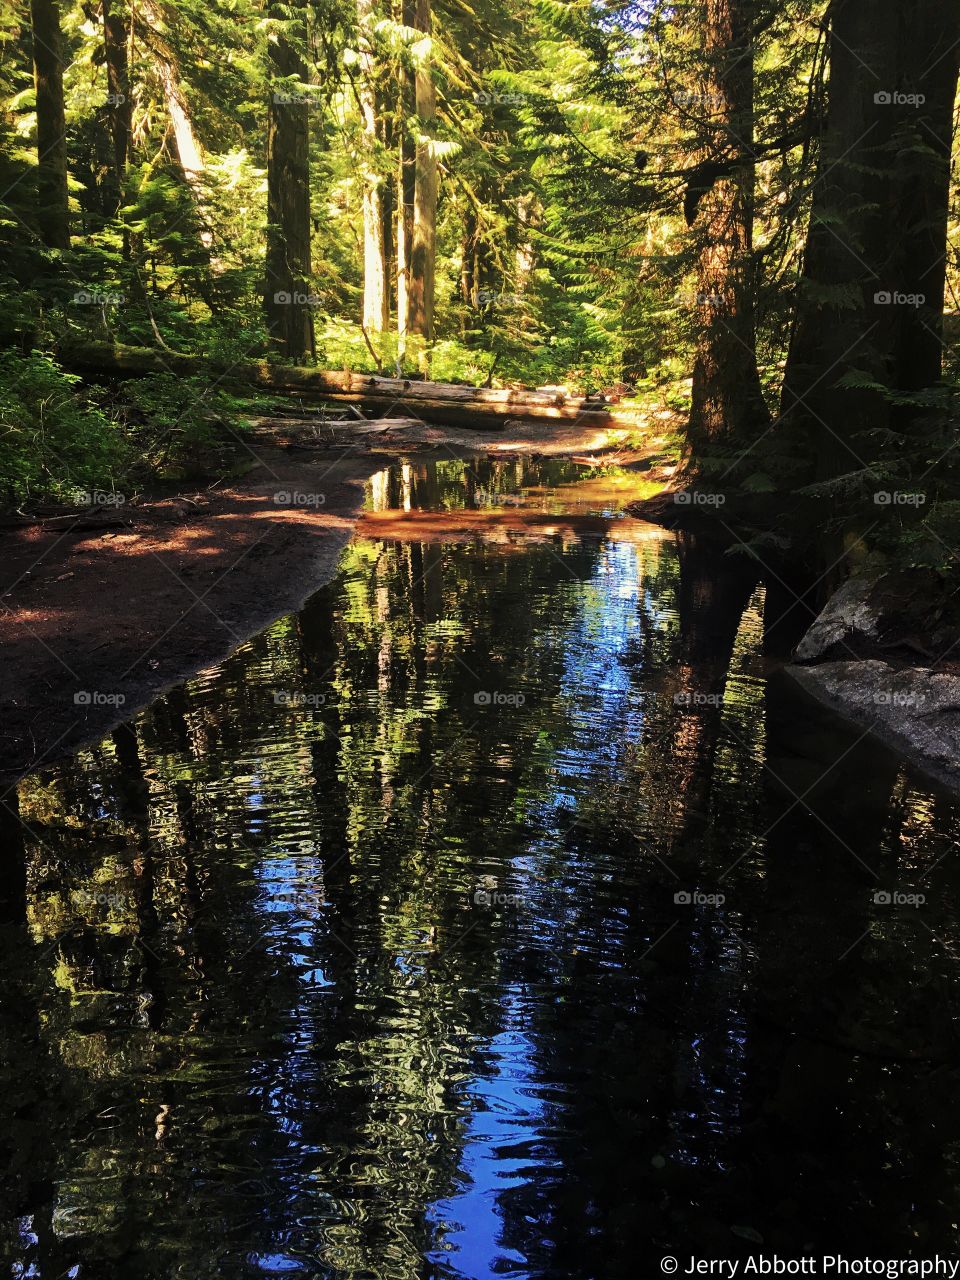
105 607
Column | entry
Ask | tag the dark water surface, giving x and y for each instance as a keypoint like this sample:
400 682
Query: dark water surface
503 913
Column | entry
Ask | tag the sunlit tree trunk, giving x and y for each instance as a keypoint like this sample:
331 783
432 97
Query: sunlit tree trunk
528 216
376 301
189 153
288 266
406 180
52 209
188 148
727 402
424 247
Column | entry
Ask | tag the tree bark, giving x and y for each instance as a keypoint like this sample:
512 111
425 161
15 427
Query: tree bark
288 265
406 185
119 106
52 204
376 299
929 41
727 401
468 254
426 184
528 217
836 324
877 230
189 153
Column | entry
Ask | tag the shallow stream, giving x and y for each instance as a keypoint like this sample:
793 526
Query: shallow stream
506 912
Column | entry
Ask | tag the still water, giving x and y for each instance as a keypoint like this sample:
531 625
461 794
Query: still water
504 913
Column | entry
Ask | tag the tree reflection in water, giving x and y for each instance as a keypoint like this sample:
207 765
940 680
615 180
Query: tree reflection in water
326 966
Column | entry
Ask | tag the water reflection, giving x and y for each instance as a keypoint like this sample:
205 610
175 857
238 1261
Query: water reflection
497 914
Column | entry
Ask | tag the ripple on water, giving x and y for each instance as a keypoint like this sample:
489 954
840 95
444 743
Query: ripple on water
498 914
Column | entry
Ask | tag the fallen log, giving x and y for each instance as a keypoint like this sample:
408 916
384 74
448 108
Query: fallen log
482 408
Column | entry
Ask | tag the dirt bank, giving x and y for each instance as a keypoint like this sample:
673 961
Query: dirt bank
101 610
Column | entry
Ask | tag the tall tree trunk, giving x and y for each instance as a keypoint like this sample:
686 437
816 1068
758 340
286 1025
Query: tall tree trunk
119 105
188 148
52 208
376 300
468 242
877 229
406 186
929 41
189 154
528 217
288 267
424 247
727 401
837 325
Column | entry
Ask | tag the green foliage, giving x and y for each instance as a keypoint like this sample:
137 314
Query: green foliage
452 361
59 439
564 135
341 345
180 424
53 442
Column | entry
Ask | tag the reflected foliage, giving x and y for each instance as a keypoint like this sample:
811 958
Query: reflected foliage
361 954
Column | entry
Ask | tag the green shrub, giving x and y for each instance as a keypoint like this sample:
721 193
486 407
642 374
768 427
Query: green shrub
53 442
178 422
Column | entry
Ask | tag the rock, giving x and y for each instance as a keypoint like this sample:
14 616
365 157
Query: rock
915 708
847 614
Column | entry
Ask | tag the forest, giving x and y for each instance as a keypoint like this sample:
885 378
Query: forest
480 709
740 209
